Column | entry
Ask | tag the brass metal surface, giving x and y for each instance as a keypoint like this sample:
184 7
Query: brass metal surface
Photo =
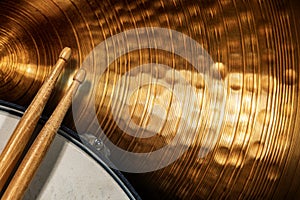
254 45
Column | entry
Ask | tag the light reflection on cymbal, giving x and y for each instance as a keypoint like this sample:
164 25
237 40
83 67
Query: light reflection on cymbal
254 46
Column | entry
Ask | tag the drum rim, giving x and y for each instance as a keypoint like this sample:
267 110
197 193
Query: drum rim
74 138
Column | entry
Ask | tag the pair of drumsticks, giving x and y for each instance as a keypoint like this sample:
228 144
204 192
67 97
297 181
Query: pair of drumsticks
13 150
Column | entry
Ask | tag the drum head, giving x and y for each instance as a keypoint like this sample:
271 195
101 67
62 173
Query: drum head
70 170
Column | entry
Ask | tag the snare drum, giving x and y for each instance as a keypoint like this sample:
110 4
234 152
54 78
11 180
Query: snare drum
69 170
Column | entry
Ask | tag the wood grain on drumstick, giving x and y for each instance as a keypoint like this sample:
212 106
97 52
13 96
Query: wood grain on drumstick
41 144
21 135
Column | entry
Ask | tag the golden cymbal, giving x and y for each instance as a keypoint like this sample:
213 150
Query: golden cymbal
254 47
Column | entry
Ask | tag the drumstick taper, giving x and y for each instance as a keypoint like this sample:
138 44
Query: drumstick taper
41 144
23 132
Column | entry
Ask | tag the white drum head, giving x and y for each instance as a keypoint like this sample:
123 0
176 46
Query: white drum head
67 172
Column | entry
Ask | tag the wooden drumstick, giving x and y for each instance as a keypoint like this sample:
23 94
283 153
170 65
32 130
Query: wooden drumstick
41 144
22 133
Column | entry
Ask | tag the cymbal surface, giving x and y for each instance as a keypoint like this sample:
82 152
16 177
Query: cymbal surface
254 47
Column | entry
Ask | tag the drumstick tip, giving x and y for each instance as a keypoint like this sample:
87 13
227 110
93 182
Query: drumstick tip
65 54
80 75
